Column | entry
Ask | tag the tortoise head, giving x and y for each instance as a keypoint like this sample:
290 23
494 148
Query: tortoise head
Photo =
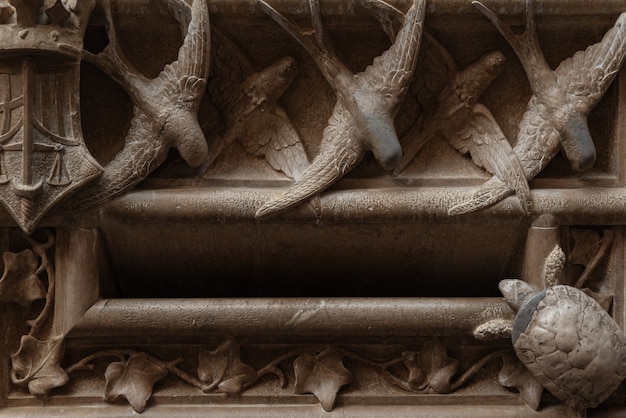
523 299
515 292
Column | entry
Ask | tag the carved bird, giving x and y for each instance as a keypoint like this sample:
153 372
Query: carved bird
363 116
467 124
556 114
165 108
249 100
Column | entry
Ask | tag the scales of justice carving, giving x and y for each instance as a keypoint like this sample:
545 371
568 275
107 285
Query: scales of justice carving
42 154
43 158
165 111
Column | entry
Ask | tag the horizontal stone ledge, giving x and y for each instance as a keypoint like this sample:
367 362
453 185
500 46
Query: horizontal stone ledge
434 7
591 206
304 411
288 317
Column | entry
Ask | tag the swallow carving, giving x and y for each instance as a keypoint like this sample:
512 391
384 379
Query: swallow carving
164 108
367 102
467 124
248 99
556 114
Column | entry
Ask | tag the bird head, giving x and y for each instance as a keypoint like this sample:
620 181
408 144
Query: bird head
382 140
272 82
476 78
375 128
577 143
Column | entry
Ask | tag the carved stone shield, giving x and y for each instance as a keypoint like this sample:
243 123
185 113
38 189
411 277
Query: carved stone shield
42 153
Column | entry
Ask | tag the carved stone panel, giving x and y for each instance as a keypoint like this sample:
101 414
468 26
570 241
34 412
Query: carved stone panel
312 208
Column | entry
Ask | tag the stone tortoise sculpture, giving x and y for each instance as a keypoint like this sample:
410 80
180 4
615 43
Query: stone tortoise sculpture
568 342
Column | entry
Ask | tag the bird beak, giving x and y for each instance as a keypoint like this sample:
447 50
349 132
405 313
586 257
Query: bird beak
383 141
577 143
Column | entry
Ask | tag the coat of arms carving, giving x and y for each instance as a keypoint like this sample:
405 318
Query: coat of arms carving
42 153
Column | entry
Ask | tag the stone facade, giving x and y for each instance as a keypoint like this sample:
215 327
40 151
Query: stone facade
312 208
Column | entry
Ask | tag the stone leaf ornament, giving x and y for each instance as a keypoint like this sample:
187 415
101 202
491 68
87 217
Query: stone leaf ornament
133 380
556 114
224 368
20 283
37 365
438 368
322 375
317 370
165 108
248 99
367 102
514 374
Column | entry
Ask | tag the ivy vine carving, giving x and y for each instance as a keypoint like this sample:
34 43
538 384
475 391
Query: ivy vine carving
318 370
30 276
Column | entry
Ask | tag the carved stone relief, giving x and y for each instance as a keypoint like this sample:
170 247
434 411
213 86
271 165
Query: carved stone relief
306 208
43 156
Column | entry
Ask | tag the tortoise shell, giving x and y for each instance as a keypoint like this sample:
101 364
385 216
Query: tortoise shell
571 345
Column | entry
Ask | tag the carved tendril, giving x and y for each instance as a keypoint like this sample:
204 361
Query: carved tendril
122 355
40 249
318 370
607 240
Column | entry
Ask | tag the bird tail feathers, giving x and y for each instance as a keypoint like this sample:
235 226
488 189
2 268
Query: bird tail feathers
323 172
493 191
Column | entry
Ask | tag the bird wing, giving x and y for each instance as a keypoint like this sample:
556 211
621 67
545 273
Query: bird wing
435 66
230 68
186 77
537 143
435 71
269 132
537 140
387 15
391 72
483 139
314 41
587 74
340 152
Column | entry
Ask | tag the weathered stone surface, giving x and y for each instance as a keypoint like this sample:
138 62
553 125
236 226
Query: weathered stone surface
306 207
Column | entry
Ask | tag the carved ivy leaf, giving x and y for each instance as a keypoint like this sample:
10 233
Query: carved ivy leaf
417 379
515 375
133 379
322 375
224 366
439 367
19 284
36 365
586 243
